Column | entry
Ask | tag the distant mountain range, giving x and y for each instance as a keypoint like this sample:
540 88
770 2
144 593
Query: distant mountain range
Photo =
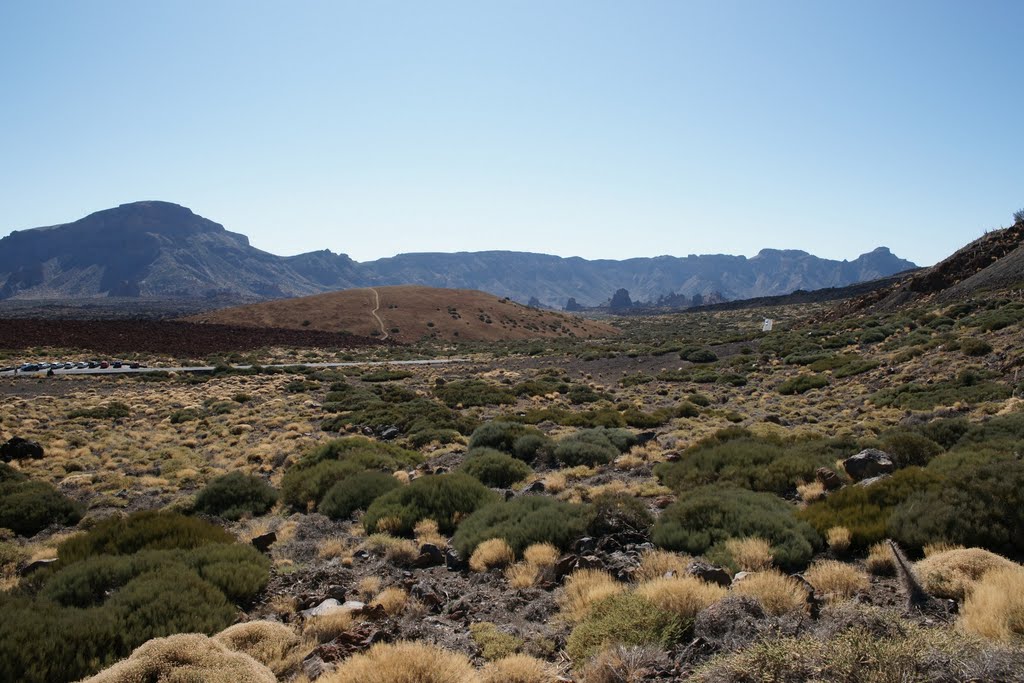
162 250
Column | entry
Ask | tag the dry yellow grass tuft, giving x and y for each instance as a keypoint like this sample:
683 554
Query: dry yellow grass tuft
395 550
326 627
940 547
839 539
683 595
270 643
186 657
522 575
555 482
541 555
392 599
494 553
519 669
751 554
836 581
776 592
404 662
954 573
583 588
811 492
995 608
368 586
283 605
426 531
332 548
389 525
655 564
880 561
402 476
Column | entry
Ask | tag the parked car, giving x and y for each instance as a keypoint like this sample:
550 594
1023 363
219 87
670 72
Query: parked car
104 364
30 367
116 364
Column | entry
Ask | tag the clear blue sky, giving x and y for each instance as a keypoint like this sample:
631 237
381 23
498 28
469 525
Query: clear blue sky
598 129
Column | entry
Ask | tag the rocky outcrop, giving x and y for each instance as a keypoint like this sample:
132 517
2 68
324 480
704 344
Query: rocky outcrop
868 464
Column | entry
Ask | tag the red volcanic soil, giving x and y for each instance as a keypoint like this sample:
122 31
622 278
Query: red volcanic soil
180 339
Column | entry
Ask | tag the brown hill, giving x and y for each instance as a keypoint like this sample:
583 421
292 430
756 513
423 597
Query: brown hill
992 262
408 313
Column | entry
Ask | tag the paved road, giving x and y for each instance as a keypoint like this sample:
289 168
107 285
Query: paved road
209 368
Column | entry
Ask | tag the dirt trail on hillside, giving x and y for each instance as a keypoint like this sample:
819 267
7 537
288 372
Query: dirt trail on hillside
380 322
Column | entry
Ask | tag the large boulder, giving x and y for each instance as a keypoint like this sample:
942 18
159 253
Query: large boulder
17 448
869 463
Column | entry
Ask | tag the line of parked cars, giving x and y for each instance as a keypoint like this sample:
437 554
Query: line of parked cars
80 365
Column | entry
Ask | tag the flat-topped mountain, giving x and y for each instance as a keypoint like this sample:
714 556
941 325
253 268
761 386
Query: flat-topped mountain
160 250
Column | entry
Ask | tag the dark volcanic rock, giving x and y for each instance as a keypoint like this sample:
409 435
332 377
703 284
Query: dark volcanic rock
870 462
263 543
709 573
17 448
829 479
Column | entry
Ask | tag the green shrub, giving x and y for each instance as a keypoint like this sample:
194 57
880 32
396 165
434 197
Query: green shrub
150 530
736 458
372 454
494 468
356 492
532 447
473 392
523 521
302 488
170 600
625 619
237 570
306 482
699 400
970 386
866 510
687 409
579 394
120 584
503 436
184 415
974 347
388 405
9 474
635 417
711 515
802 383
589 447
27 507
41 642
617 513
445 498
698 355
235 494
979 504
385 375
111 411
909 448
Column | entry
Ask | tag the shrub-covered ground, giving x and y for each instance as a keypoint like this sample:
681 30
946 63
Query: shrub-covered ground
536 512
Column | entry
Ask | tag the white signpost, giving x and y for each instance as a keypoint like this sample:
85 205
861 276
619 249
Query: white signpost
767 326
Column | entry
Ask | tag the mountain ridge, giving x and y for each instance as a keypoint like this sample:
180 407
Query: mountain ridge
156 249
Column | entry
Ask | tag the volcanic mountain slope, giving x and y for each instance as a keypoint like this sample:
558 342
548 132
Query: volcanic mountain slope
147 249
410 313
992 262
553 279
161 250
